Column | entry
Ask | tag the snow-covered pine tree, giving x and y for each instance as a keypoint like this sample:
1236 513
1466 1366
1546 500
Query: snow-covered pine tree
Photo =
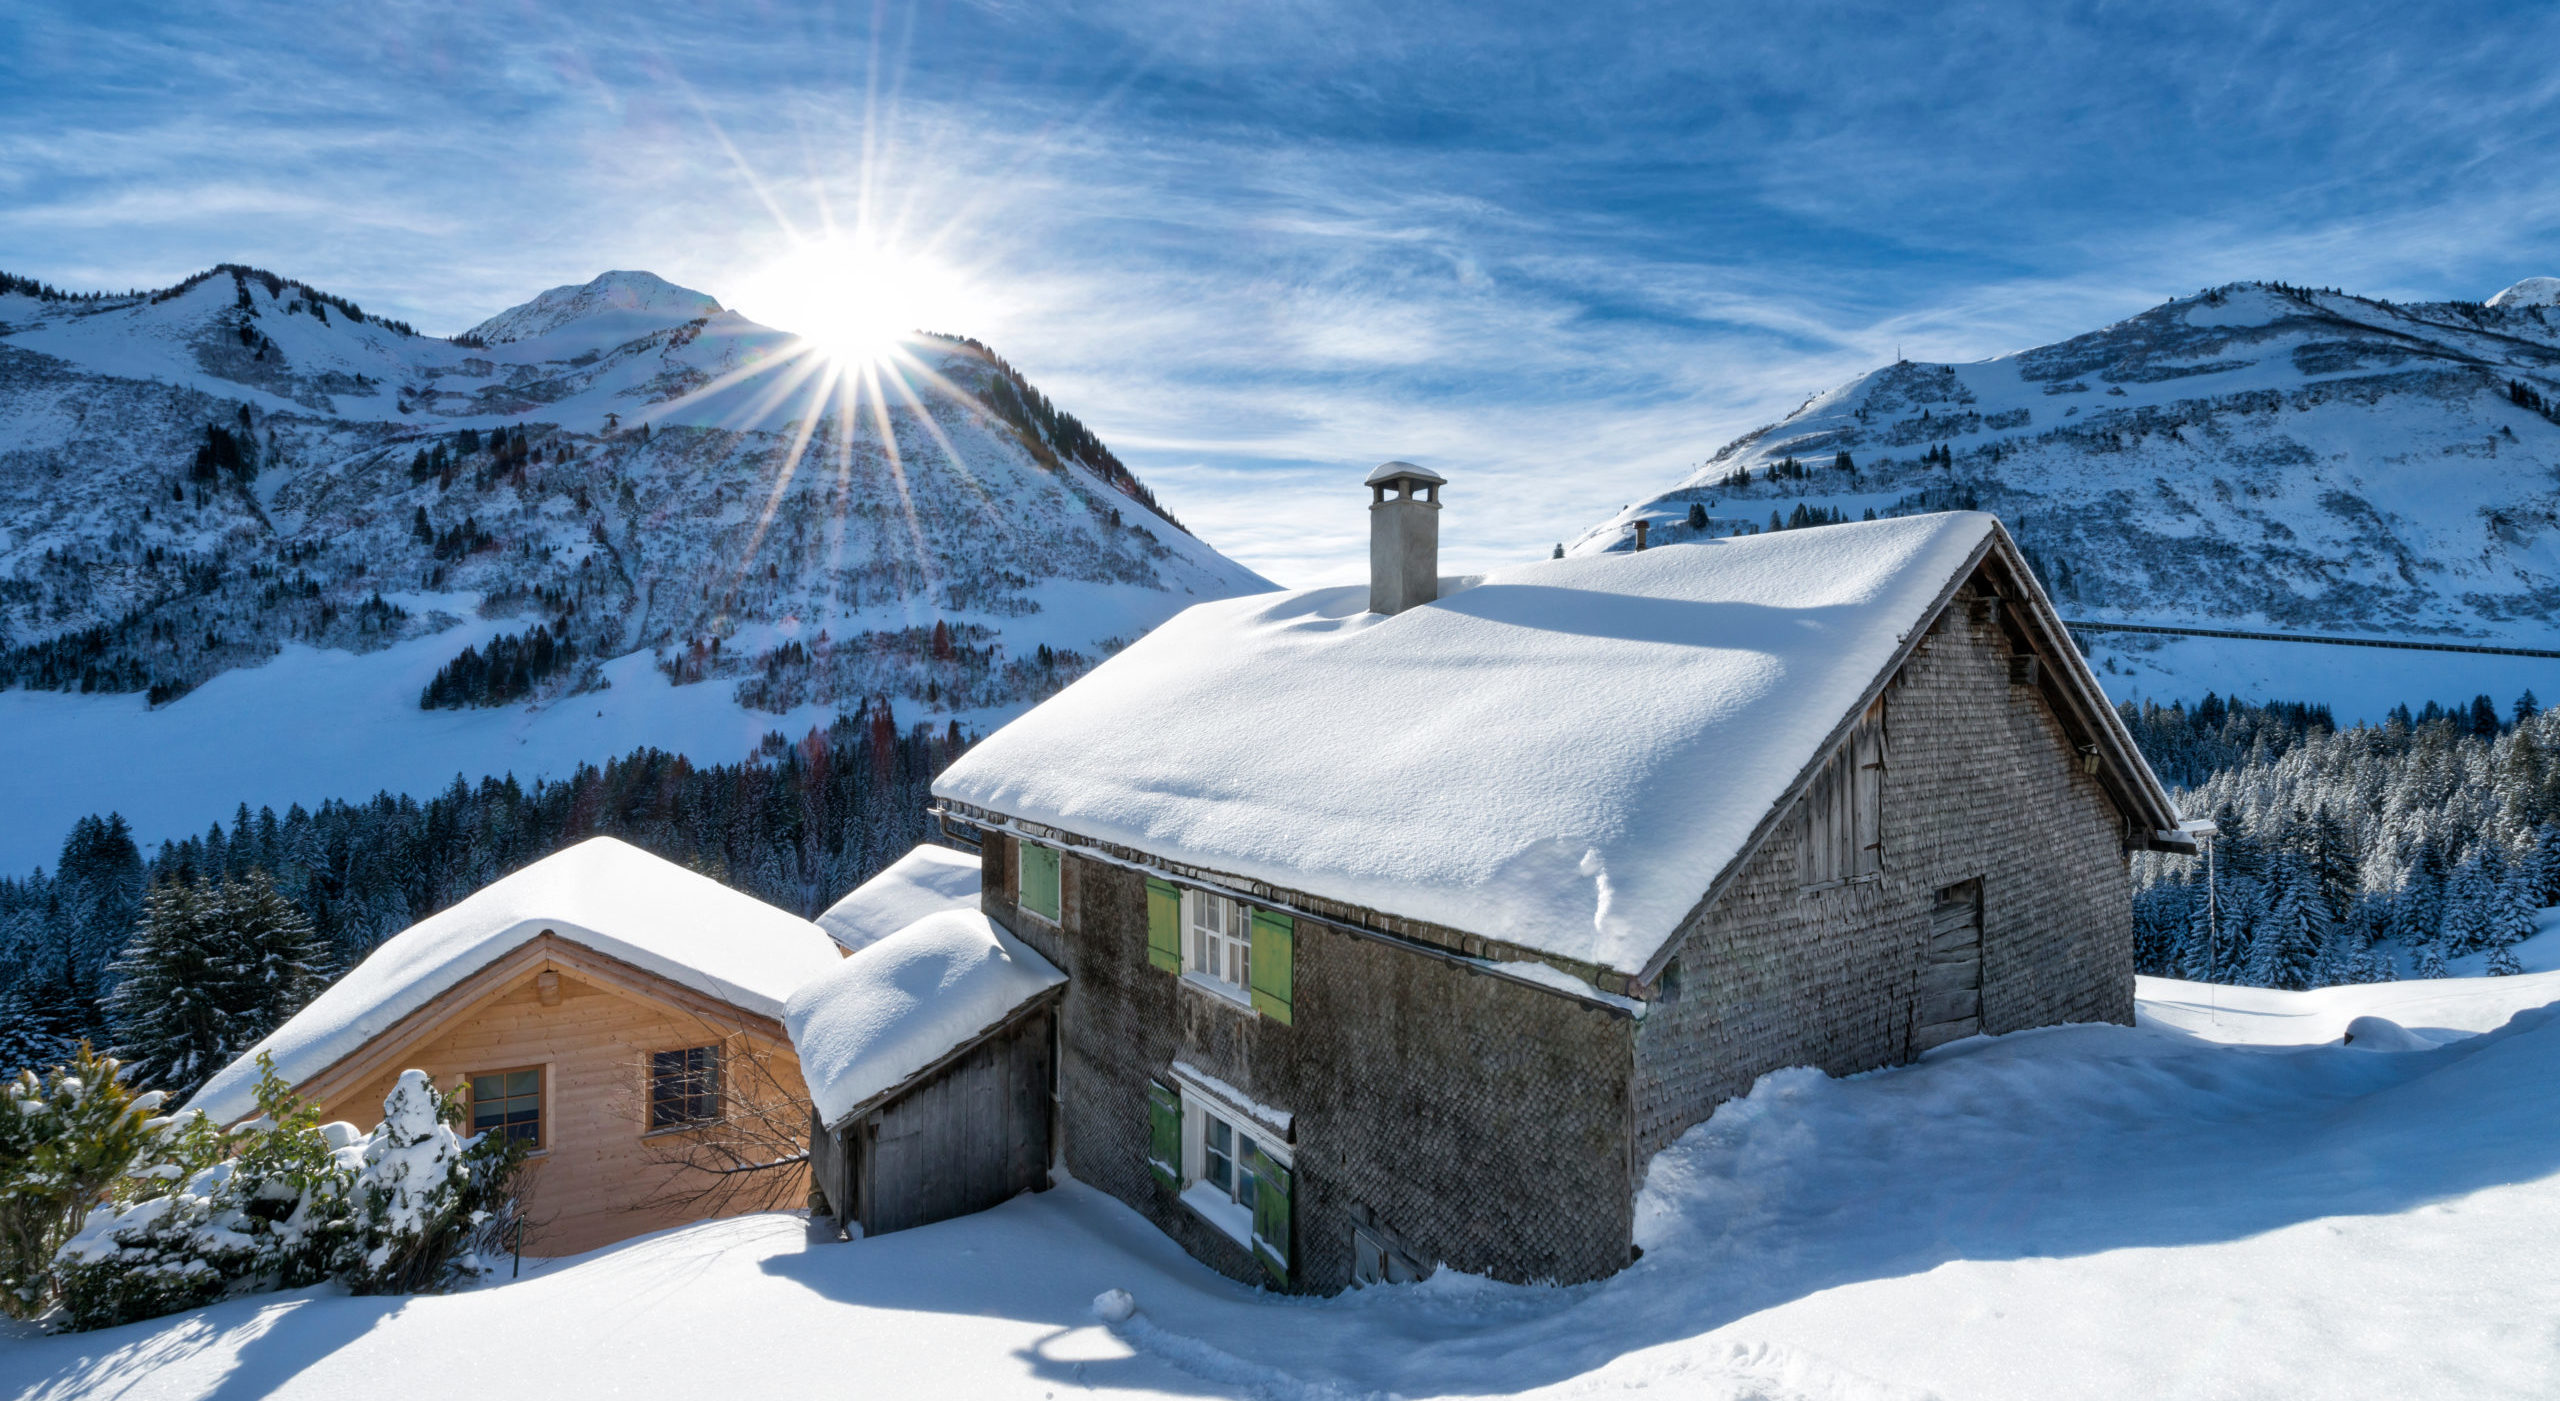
212 967
2542 868
2284 948
2510 917
166 1012
42 1023
2468 898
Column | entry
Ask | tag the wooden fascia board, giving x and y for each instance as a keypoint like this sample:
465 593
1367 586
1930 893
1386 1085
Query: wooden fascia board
2136 789
1047 997
494 979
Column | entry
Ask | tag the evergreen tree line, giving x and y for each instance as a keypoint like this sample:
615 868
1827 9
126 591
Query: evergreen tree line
507 672
183 958
2349 855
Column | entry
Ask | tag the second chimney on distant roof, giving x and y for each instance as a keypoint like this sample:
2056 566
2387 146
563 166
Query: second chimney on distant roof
1404 536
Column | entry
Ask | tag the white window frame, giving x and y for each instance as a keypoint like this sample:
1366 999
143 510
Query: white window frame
1222 1204
1209 956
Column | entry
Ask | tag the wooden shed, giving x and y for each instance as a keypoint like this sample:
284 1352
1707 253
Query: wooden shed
931 1058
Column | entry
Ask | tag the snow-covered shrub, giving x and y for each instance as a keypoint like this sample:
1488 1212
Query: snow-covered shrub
422 1191
65 1137
300 1202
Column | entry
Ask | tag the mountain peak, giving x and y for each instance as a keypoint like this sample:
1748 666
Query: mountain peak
637 301
2533 291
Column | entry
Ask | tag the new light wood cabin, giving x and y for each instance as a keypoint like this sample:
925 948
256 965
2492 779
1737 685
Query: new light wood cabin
1404 926
593 1004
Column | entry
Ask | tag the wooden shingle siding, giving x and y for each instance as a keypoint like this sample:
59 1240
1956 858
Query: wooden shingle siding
1983 784
1483 1121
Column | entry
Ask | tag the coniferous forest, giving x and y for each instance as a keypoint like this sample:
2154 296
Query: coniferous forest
796 824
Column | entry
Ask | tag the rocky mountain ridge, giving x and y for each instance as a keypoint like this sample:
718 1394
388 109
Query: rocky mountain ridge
2256 456
196 478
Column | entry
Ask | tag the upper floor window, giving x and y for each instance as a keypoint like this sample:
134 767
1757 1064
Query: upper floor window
1220 946
684 1087
1036 879
1844 808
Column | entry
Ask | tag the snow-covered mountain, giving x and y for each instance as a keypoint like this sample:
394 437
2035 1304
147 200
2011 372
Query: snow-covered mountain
241 497
2255 457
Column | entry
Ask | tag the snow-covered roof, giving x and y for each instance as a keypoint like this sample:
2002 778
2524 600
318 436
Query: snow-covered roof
927 880
877 1018
602 894
1563 755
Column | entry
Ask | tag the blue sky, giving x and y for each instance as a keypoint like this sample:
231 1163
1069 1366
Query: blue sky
1560 253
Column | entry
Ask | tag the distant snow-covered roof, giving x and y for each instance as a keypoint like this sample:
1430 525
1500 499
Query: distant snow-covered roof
603 894
877 1018
1563 755
927 880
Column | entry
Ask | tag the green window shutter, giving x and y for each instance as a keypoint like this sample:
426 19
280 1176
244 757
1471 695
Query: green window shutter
1275 963
1164 926
1271 1210
1038 879
1164 1134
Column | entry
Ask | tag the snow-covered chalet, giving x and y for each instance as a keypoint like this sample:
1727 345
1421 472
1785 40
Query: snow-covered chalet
592 1004
1402 926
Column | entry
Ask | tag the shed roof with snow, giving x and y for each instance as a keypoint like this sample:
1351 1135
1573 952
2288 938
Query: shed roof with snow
1566 755
603 894
894 1010
927 880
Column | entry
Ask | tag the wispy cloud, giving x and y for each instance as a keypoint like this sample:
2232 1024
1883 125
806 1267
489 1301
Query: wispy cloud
1560 254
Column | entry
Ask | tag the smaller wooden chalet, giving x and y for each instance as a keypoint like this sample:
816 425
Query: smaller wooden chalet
925 881
587 1004
930 1061
1403 926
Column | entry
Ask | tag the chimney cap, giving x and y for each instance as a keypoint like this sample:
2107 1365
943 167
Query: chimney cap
1404 471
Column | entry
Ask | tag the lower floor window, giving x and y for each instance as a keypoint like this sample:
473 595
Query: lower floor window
1238 1178
508 1102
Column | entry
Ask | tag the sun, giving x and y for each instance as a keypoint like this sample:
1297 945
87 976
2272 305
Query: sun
855 301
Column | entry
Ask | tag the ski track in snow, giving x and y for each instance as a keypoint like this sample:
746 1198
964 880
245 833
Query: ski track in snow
2221 1201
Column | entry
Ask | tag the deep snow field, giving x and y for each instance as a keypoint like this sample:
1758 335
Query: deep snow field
2221 1201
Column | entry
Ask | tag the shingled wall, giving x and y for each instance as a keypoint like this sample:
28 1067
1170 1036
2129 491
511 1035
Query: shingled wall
1980 781
1483 1121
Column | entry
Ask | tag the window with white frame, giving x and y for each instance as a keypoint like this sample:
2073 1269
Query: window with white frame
1219 945
1237 1176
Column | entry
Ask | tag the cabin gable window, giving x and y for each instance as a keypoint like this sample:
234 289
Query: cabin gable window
1844 808
684 1088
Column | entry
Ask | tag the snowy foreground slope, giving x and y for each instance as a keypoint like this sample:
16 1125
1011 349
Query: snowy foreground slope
2222 1201
243 526
2255 458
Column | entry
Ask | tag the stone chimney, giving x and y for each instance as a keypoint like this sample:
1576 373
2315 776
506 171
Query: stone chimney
1404 536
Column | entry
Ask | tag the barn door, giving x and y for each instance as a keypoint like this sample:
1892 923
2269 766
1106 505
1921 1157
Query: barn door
1950 1001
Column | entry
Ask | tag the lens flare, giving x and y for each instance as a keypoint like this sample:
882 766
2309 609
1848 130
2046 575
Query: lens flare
853 301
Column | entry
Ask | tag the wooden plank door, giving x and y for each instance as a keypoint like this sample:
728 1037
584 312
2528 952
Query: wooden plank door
1950 999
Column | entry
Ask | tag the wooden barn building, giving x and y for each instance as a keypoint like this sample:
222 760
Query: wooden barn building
930 1057
1403 926
594 1004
